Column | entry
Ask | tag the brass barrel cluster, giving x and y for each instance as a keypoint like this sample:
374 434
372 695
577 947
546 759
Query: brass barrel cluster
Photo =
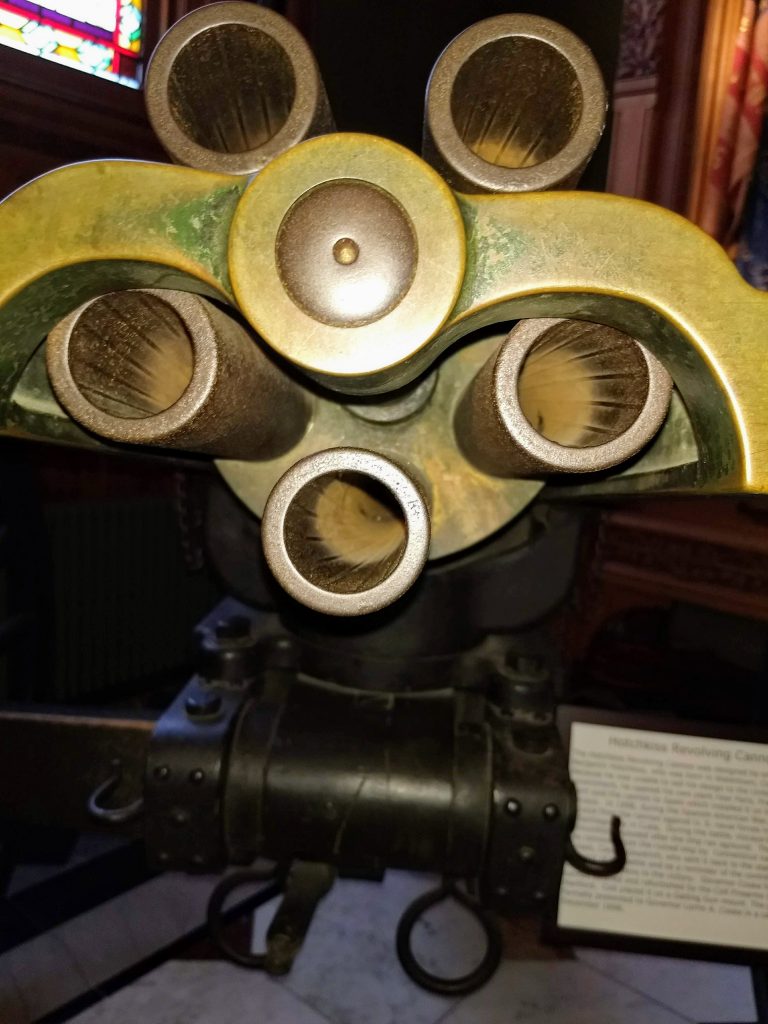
345 250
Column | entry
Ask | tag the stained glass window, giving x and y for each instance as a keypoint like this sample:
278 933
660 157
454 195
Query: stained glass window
102 37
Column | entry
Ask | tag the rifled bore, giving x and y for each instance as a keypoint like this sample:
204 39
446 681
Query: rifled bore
516 103
346 531
167 368
231 85
562 396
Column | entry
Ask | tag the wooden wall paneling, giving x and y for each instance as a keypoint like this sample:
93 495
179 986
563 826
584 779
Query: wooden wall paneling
654 101
707 552
634 117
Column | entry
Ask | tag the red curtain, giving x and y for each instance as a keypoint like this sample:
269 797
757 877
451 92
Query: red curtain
733 161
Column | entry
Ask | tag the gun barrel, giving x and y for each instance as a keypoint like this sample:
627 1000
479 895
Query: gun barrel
168 368
232 85
515 103
346 531
562 396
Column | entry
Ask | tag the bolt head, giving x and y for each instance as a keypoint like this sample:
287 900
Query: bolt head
513 807
234 628
551 812
202 705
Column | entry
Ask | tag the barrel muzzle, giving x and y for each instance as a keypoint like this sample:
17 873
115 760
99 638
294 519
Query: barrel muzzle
232 85
346 531
516 103
167 368
562 396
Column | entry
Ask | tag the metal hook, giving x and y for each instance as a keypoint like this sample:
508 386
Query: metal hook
433 982
600 868
113 815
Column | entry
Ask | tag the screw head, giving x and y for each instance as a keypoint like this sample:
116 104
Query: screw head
513 807
551 812
196 776
346 251
162 772
526 854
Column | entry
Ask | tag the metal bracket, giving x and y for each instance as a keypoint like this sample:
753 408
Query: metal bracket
303 886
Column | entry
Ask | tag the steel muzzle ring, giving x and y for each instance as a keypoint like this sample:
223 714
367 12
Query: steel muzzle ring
489 123
346 531
231 86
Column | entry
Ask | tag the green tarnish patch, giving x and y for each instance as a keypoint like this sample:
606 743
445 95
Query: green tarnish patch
34 412
493 250
201 228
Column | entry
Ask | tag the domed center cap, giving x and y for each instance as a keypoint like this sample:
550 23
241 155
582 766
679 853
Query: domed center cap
346 253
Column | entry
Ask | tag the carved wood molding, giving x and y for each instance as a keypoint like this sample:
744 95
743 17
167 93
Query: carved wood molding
711 553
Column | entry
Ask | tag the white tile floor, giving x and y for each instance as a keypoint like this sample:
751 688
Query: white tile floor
348 973
44 973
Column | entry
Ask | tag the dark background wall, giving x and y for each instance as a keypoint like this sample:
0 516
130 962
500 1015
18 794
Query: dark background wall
376 56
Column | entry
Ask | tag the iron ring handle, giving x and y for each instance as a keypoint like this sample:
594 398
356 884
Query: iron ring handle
465 983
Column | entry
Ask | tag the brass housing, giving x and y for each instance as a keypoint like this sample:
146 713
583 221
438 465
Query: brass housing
603 258
343 355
